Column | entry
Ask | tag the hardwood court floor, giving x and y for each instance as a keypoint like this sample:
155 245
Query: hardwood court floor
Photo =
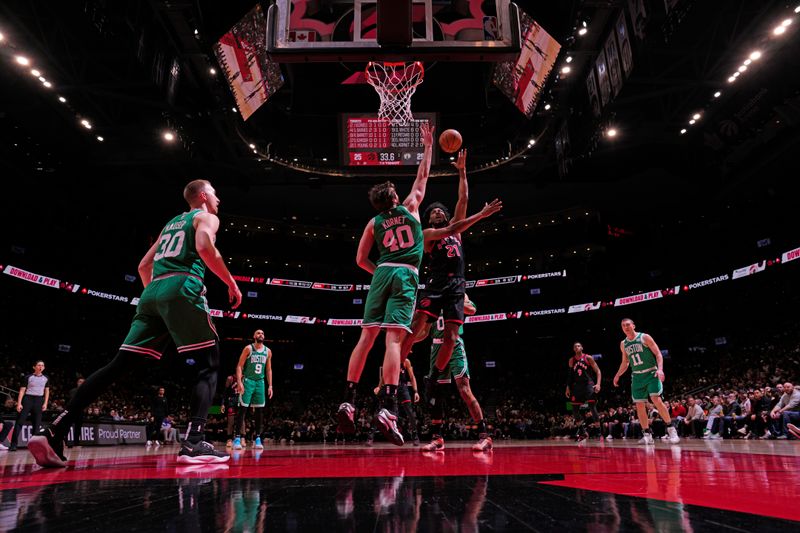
519 486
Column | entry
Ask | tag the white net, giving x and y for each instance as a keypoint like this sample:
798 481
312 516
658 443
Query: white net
395 84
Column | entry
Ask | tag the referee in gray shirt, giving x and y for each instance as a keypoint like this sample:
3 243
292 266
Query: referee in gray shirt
32 399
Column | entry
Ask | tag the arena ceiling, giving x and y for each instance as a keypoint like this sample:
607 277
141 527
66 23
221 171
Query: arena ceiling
137 68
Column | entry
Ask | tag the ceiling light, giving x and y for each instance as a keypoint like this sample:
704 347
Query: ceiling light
62 99
47 84
683 131
2 38
696 116
565 70
233 109
196 32
569 59
547 107
612 132
797 9
779 30
742 68
755 56
736 74
212 71
22 60
35 73
169 136
295 160
582 31
717 94
731 79
786 22
99 138
747 62
86 124
252 146
692 121
532 142
42 79
325 159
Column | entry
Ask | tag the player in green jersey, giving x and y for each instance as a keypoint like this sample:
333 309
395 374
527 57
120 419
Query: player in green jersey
171 309
397 233
254 365
641 353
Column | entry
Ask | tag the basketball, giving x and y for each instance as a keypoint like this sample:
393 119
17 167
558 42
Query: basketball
450 141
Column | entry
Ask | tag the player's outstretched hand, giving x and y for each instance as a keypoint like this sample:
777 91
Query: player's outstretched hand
491 208
461 162
616 381
426 130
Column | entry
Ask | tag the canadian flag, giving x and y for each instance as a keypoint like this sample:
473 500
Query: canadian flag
302 36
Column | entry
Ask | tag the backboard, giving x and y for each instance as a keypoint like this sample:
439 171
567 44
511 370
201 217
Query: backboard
346 31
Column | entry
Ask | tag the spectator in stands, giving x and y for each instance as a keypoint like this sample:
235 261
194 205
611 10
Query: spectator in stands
732 412
713 421
787 410
757 420
695 417
677 412
168 430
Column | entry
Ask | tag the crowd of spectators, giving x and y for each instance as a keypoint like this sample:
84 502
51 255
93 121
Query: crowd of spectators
748 395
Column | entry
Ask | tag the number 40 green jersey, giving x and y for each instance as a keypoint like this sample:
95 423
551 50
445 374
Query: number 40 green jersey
399 237
176 251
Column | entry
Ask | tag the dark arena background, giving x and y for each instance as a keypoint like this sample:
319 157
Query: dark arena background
645 152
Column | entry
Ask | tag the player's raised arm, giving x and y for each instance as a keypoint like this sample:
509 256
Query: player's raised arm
434 234
463 188
414 198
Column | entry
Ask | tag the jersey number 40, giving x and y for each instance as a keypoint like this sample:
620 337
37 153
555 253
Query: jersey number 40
397 238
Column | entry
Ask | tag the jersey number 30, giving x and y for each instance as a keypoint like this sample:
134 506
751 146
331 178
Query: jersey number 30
400 237
170 245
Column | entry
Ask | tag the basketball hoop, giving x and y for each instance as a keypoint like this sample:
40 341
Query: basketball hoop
395 84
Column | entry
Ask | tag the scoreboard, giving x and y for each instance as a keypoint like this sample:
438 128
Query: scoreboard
369 141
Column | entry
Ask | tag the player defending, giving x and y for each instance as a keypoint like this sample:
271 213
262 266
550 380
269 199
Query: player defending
254 363
172 308
580 387
458 368
641 352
